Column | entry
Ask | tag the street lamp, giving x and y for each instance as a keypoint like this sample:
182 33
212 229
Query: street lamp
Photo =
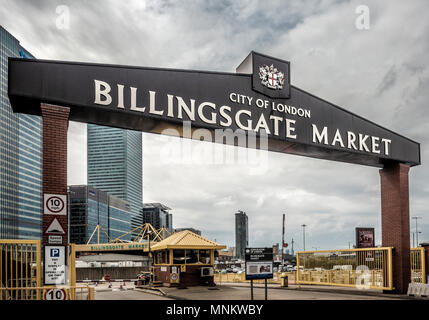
414 236
417 231
303 234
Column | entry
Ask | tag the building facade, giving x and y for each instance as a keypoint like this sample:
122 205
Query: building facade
241 233
158 216
115 165
20 157
89 207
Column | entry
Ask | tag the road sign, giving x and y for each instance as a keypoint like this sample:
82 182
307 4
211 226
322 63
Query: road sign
55 240
55 266
259 263
55 294
55 227
55 204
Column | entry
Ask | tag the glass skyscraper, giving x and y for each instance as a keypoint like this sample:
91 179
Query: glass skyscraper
90 207
157 215
115 165
241 234
20 158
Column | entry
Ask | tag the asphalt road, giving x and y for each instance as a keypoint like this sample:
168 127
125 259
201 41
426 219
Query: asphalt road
127 295
232 293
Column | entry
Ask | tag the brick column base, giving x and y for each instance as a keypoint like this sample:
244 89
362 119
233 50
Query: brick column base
55 125
395 222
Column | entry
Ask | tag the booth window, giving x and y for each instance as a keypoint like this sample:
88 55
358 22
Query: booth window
178 256
204 256
162 257
191 256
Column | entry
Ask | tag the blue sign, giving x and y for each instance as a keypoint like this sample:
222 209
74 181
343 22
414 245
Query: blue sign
55 253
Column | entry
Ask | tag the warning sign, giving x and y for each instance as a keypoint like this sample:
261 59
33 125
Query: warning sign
55 294
55 204
55 266
55 227
55 239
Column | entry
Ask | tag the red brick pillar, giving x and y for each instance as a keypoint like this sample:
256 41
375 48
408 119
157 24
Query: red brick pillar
55 125
395 221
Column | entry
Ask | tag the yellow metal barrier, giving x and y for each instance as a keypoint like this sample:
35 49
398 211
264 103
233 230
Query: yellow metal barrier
40 293
220 278
369 268
21 275
20 268
418 268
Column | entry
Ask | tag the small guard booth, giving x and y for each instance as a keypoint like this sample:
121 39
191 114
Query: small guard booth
184 259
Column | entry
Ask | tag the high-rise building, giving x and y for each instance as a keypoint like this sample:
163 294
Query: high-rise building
115 165
157 215
196 231
241 233
20 158
90 207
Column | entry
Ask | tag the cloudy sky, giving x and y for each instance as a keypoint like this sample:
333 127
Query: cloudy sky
380 73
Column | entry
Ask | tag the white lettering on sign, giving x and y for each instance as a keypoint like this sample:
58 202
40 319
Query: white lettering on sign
54 264
361 142
244 119
55 204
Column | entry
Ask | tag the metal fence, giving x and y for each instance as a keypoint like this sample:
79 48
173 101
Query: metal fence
82 292
21 275
20 269
418 268
220 278
362 268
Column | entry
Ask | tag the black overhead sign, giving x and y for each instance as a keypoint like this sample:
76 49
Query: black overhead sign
256 102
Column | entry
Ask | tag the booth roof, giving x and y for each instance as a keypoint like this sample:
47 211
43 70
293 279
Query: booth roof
186 240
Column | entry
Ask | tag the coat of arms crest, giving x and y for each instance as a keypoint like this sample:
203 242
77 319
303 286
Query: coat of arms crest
271 77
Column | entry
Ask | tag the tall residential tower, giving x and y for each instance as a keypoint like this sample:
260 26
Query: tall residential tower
115 165
20 158
241 233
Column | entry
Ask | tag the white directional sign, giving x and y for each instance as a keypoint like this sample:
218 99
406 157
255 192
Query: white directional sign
55 204
55 266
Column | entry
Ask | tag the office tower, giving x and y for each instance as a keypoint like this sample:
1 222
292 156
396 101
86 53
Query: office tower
20 158
241 233
196 231
90 207
157 215
115 165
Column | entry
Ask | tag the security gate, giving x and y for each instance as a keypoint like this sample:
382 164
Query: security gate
418 268
20 269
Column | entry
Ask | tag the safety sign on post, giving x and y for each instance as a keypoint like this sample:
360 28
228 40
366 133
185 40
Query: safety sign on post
55 294
55 265
55 204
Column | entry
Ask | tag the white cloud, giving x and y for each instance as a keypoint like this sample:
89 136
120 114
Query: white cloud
380 74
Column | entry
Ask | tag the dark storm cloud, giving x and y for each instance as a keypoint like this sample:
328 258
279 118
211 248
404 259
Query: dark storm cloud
380 74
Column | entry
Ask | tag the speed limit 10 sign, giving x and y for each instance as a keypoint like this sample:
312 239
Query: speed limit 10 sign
55 204
55 294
